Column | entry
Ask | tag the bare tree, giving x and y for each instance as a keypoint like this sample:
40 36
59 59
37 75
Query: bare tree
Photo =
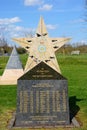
3 41
29 33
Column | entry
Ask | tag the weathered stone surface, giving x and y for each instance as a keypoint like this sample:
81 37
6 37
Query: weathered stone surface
42 72
14 61
41 48
42 98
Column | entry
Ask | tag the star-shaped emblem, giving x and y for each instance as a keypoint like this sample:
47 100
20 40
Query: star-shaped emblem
41 48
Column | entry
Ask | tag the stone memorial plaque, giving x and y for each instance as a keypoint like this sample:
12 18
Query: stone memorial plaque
42 98
42 92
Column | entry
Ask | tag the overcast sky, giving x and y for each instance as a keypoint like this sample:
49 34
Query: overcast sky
63 18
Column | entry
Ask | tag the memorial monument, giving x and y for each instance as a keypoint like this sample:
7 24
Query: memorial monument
42 48
13 69
42 92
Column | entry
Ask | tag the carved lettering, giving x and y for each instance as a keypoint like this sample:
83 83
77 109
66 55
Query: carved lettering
42 101
31 101
58 101
64 101
21 101
42 85
25 107
54 101
37 101
48 102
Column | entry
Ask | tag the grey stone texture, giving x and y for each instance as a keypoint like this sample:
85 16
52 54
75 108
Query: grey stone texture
14 61
42 98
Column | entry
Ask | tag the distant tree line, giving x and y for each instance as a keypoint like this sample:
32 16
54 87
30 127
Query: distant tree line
6 49
66 49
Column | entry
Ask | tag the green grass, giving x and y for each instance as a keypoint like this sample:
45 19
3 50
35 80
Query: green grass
3 61
7 97
74 68
23 59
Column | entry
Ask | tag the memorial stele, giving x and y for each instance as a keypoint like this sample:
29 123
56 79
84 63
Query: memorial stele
42 48
42 92
13 69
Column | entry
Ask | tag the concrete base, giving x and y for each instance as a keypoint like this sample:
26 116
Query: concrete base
10 76
74 124
8 82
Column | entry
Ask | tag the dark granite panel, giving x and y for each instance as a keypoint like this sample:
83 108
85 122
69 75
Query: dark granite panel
42 98
42 72
42 102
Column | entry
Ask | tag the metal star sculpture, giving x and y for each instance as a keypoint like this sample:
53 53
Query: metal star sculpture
41 48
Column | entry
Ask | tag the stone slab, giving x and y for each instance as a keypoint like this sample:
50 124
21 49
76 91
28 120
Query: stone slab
73 124
14 61
42 71
42 98
42 102
9 82
10 76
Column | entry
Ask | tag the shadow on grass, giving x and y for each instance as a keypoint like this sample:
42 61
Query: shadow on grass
74 108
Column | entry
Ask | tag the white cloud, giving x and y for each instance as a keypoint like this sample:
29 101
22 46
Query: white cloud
46 7
84 41
33 2
12 31
77 21
51 27
18 28
9 20
40 3
9 30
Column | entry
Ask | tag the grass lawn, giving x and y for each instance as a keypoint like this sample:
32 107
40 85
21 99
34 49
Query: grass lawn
74 68
3 61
